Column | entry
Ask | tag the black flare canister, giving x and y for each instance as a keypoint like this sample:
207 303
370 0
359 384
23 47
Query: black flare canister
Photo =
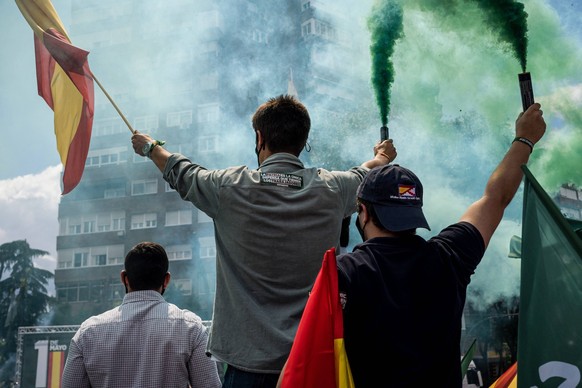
527 96
384 133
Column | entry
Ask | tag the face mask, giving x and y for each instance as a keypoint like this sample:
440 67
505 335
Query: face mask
257 153
360 228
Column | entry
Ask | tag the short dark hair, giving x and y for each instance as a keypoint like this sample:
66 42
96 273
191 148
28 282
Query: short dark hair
284 123
146 266
376 220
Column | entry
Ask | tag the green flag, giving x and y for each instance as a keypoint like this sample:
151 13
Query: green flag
550 318
467 358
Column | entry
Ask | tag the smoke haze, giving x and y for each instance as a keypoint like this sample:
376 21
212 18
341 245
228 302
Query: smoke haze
452 103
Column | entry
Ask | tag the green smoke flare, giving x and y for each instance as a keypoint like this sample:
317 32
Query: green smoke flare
385 25
509 19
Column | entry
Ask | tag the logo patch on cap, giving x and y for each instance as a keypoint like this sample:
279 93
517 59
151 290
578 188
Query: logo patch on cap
407 191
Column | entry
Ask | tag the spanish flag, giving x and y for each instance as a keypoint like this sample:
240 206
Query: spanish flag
508 379
318 356
66 84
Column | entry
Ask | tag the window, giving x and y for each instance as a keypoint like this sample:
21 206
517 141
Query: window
106 156
83 294
306 28
142 187
146 123
80 259
99 256
103 223
115 254
72 294
184 286
207 248
89 226
115 192
143 221
207 144
567 192
108 127
179 217
181 119
118 221
92 223
208 113
100 259
179 252
75 229
259 36
115 260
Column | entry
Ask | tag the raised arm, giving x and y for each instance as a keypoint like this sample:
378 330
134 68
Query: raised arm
487 212
384 153
158 154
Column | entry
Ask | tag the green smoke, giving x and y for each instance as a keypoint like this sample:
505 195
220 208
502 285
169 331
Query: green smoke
560 155
506 19
509 19
385 25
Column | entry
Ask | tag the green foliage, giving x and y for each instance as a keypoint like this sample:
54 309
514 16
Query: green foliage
23 293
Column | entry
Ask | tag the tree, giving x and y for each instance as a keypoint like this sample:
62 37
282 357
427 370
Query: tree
23 293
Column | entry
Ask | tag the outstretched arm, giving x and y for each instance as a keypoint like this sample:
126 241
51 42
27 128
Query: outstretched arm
384 153
487 212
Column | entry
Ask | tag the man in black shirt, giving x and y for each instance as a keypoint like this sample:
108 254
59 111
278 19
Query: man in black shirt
403 296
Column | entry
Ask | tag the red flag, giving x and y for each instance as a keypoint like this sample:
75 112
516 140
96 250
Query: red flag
507 379
318 357
66 84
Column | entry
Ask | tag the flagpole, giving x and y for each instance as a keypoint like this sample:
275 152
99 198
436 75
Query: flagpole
114 104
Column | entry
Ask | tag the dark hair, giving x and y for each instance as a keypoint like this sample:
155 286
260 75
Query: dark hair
284 123
376 220
146 266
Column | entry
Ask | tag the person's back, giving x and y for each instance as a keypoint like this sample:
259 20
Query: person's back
145 342
272 225
403 296
284 229
405 299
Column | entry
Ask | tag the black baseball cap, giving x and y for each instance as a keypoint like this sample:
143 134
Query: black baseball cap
396 193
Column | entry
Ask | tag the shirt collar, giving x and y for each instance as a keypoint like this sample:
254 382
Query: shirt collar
281 160
138 296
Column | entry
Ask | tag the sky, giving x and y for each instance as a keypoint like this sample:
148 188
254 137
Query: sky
454 98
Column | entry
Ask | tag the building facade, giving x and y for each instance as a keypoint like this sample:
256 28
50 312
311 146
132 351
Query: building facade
191 73
569 200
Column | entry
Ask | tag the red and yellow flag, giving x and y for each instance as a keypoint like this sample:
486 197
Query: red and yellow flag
318 356
508 379
66 84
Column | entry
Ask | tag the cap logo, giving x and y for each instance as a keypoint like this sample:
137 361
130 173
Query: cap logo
407 191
